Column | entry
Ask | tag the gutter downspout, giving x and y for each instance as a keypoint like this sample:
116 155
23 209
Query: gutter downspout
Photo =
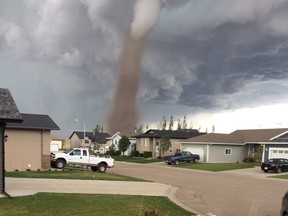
41 155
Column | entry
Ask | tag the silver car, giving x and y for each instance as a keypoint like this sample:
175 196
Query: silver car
284 209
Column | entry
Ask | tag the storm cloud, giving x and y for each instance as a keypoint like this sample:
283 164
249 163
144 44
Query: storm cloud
61 57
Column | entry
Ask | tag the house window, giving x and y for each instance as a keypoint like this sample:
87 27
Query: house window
145 142
115 142
171 149
86 141
228 151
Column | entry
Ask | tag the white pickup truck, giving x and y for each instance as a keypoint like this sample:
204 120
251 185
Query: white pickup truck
80 156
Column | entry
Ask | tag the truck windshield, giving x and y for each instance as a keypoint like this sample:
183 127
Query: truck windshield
67 151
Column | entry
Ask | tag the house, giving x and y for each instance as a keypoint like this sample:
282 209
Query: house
238 145
150 140
113 142
8 113
92 140
56 144
28 143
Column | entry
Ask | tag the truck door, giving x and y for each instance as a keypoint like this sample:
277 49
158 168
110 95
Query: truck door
76 157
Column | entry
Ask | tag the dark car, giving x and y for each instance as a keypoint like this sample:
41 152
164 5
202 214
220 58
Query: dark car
276 165
284 208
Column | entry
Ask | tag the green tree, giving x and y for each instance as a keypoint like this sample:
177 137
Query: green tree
179 126
123 144
171 123
98 128
165 144
164 123
184 124
139 129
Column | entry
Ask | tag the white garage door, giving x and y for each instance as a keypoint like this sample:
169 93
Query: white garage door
194 150
54 147
278 153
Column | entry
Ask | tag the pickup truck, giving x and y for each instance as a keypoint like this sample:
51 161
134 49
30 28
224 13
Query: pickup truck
181 156
80 156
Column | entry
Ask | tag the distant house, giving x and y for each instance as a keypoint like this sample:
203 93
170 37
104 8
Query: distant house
28 143
92 140
55 144
150 140
113 142
238 145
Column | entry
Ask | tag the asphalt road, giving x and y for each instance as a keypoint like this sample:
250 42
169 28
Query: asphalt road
248 192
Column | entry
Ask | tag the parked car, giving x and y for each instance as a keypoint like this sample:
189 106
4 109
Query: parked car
80 156
275 164
284 208
181 156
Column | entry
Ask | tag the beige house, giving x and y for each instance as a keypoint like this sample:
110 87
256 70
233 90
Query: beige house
150 140
28 143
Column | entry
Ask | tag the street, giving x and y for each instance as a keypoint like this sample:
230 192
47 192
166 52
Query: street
228 193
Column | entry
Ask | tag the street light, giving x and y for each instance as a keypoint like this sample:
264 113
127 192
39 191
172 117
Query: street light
84 128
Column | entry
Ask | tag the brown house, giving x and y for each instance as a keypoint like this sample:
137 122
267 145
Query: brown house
28 143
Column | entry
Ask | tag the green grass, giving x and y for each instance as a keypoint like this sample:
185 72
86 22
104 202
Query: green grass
85 204
136 159
285 176
215 167
82 175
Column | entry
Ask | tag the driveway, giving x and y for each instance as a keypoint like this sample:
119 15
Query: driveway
231 193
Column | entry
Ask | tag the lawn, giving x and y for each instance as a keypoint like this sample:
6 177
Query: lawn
215 167
82 175
85 204
285 176
136 159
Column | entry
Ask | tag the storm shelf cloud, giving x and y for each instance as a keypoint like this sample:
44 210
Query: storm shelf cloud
61 58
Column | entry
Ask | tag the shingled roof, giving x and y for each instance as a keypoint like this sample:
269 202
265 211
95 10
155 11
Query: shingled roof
98 137
241 136
178 134
35 121
8 109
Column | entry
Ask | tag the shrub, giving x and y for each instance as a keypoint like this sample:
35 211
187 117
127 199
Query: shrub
147 154
135 154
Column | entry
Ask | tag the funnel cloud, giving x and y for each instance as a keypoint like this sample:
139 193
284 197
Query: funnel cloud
124 114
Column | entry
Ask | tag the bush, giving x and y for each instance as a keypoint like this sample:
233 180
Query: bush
135 154
147 154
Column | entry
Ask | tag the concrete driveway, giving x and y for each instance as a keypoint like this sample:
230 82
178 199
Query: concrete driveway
247 192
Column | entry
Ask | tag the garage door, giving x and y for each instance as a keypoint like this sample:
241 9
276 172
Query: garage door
54 147
194 150
278 153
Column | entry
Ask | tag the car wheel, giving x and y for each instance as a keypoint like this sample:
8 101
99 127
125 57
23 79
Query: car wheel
94 168
102 168
279 170
59 164
176 162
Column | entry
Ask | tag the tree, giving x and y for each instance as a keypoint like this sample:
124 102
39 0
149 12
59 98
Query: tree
179 124
184 124
139 129
123 144
98 128
165 144
171 123
163 123
213 128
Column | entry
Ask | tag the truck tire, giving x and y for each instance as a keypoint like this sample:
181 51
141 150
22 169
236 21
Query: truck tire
52 163
60 164
176 162
196 161
102 167
94 168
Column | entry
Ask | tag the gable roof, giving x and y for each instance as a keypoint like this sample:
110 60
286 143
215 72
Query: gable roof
98 137
8 109
240 136
178 134
35 121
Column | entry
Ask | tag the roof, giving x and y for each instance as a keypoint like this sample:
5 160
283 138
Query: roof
8 109
98 137
240 136
178 134
35 121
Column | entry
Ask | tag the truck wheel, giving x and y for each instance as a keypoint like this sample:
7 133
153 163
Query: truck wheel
59 164
102 167
176 162
94 168
52 164
279 170
196 161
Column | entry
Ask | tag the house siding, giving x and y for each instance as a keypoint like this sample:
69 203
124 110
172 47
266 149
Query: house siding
217 153
27 149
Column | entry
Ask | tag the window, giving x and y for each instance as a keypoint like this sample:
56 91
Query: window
84 153
115 142
228 151
76 152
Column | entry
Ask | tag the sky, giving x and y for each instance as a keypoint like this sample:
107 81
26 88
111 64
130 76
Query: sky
216 62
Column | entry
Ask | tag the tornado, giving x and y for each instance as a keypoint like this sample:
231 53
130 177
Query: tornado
124 114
